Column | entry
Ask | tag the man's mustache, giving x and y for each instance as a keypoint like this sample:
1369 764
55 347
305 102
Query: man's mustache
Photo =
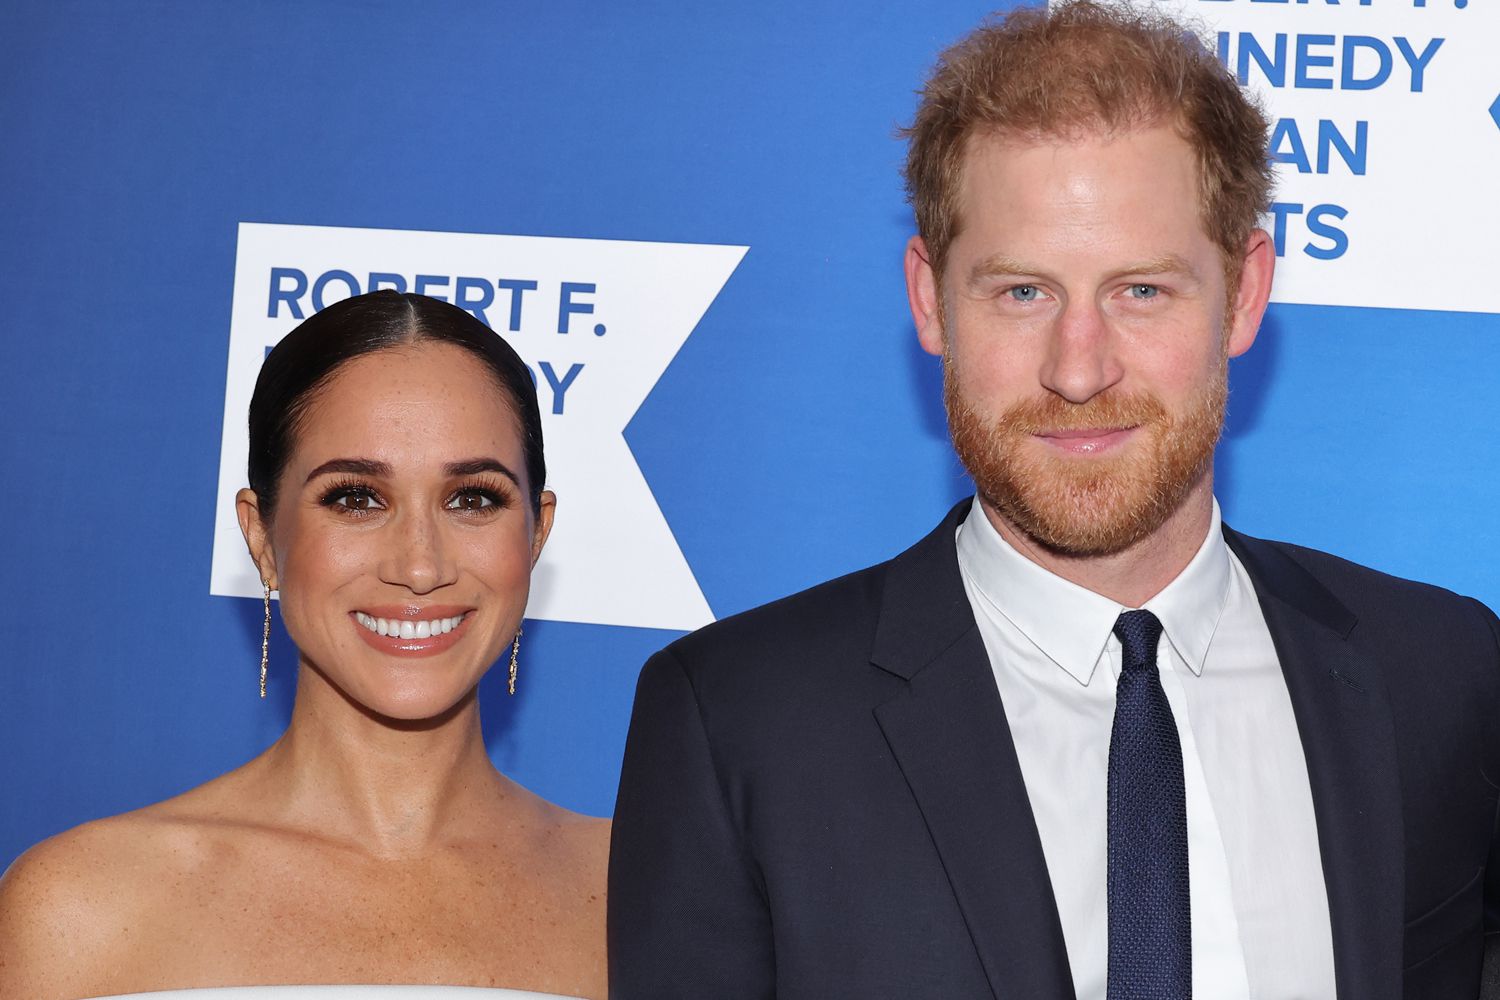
1106 411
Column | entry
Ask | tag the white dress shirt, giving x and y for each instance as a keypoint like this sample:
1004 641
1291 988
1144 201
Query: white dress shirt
1260 925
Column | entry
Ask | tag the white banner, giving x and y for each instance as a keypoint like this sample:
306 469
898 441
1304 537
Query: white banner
1386 132
597 321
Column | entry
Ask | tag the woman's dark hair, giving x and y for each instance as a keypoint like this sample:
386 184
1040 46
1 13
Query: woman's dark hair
309 356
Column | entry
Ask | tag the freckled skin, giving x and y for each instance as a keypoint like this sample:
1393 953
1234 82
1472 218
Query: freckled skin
374 842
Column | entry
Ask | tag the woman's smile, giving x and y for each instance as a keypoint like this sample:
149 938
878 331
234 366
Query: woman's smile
412 631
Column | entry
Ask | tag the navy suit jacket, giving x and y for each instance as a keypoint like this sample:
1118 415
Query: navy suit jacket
820 798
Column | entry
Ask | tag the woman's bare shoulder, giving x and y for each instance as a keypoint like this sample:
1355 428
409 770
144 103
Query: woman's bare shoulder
65 902
575 845
590 833
69 905
556 825
83 869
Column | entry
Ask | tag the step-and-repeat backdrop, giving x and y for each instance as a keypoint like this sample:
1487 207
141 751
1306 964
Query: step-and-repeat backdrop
688 219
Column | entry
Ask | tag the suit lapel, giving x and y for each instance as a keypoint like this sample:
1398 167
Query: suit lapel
949 736
1339 701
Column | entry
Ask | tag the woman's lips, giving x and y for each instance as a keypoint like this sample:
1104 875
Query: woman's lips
410 631
1088 440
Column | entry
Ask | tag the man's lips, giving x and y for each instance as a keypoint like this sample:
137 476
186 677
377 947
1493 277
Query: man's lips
1086 440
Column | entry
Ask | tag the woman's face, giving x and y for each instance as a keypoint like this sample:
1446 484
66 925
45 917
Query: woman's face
403 538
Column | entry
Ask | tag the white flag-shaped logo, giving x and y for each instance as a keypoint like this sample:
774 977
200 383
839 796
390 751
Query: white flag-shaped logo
597 321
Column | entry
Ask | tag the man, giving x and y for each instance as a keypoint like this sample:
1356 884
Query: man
1083 740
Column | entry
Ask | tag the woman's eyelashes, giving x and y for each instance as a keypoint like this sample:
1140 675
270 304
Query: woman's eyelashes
351 496
479 498
475 498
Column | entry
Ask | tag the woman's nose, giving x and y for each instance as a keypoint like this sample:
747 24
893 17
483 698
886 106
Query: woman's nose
419 555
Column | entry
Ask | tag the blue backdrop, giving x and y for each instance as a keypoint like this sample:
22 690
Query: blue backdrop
798 434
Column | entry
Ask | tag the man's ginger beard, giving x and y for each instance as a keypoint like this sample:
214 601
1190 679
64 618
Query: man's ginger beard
1086 505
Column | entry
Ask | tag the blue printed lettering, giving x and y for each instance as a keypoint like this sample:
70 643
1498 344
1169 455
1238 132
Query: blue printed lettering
1352 45
566 307
1324 62
289 288
1288 146
289 296
1307 60
348 280
1354 157
1318 224
1280 212
477 306
1338 239
559 386
426 281
1273 68
1286 134
517 288
380 279
1418 63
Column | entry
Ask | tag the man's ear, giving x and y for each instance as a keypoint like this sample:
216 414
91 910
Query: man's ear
1249 300
257 535
543 526
922 294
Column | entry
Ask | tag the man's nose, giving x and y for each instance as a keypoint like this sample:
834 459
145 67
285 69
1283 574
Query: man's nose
1081 360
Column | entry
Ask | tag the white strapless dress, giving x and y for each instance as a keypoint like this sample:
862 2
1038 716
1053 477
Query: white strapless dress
341 993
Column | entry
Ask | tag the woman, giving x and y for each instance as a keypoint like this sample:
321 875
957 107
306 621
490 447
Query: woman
396 504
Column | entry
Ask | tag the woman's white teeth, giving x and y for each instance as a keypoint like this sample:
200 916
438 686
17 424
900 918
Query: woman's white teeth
405 628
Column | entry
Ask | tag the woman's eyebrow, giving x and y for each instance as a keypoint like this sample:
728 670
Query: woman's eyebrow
476 465
352 466
373 468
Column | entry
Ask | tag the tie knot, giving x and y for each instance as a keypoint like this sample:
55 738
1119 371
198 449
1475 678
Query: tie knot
1139 632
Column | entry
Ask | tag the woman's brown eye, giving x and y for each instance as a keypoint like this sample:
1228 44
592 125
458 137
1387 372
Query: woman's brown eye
473 500
353 500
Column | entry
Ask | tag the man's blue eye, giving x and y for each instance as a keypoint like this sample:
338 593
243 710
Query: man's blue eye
1025 293
1144 291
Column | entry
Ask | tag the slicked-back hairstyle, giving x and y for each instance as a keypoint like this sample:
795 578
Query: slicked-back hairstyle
1086 67
312 354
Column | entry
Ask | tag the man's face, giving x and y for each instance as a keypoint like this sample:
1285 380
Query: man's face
1085 326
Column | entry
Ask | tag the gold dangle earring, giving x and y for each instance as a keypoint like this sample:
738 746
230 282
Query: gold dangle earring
515 648
265 640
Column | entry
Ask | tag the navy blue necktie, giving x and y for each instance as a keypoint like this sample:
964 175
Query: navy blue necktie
1150 918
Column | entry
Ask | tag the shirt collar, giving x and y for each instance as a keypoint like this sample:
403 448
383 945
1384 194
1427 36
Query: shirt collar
1071 625
1190 606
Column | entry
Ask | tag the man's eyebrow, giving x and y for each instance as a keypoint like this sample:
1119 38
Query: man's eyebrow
1166 264
473 466
997 264
351 466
